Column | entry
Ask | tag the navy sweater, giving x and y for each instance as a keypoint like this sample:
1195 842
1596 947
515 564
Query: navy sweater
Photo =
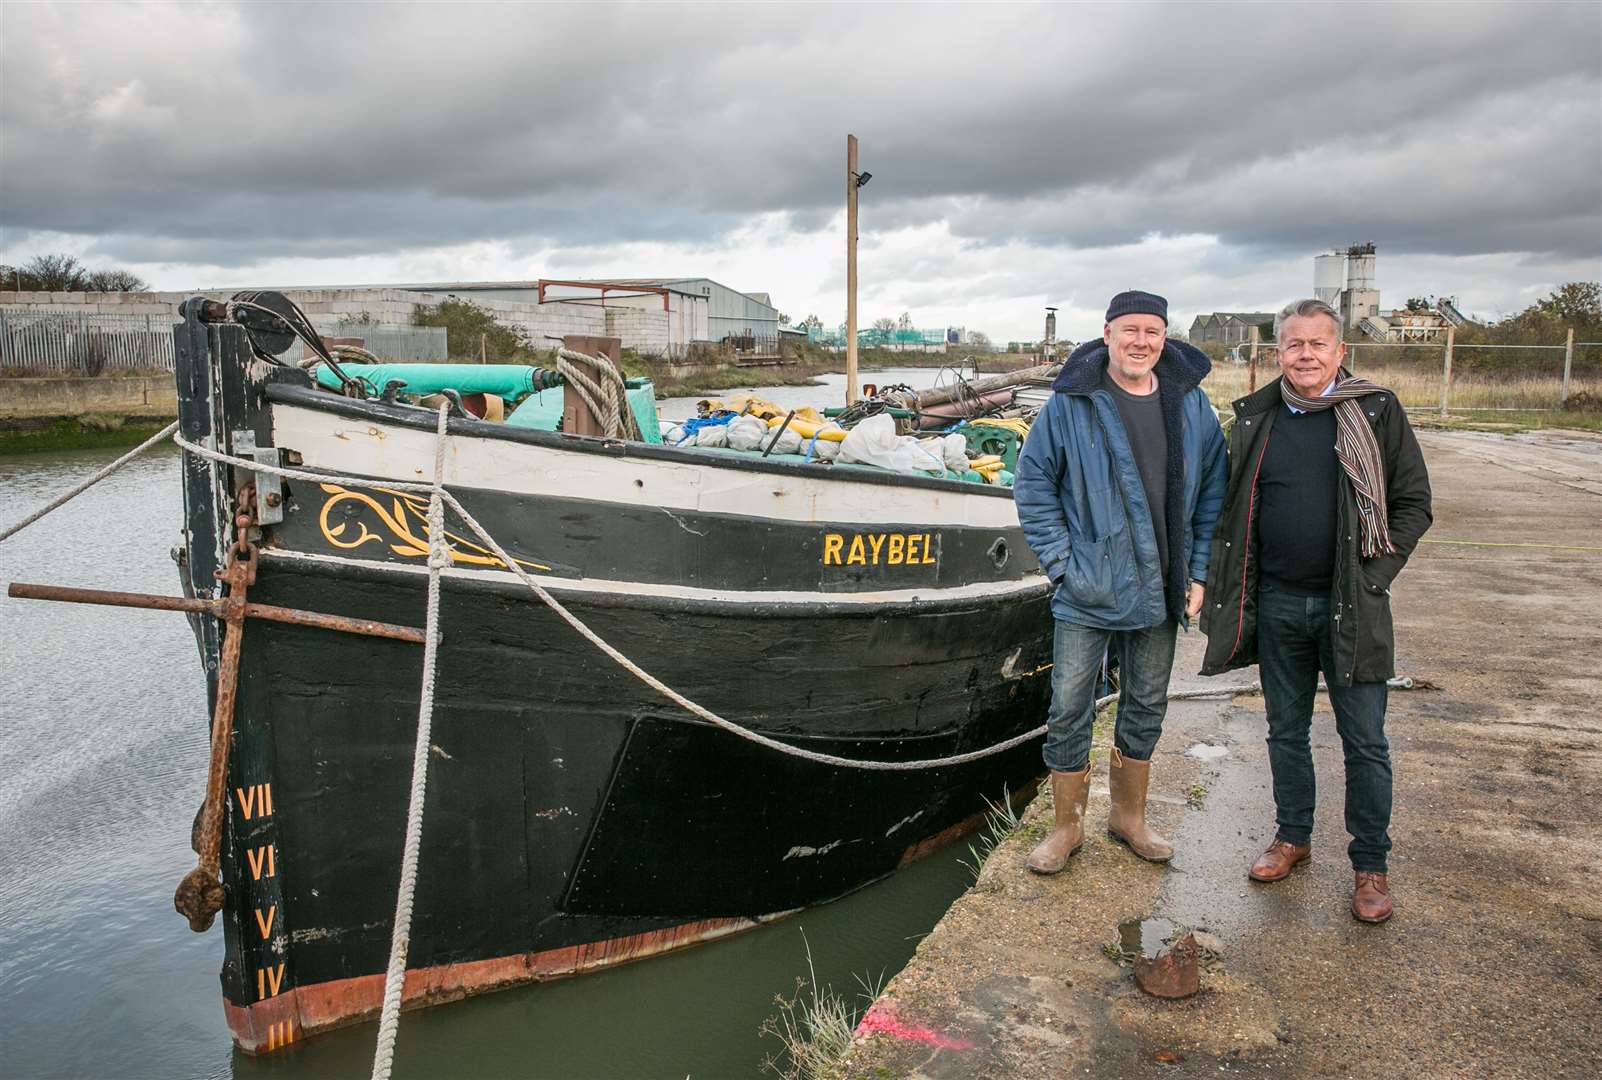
1298 485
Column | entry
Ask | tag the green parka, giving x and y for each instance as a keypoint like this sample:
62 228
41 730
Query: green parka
1360 598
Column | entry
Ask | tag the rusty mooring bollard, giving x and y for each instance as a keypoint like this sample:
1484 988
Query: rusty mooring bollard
1167 959
1175 972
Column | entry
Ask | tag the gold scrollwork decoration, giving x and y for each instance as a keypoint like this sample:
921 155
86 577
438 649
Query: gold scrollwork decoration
406 519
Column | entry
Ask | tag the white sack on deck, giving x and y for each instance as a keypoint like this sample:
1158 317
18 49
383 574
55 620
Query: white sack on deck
874 442
747 433
788 443
955 449
713 435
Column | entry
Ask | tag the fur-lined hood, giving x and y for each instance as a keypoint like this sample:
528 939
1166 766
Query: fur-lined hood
1181 367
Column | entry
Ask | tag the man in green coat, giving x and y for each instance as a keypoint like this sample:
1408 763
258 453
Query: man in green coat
1328 496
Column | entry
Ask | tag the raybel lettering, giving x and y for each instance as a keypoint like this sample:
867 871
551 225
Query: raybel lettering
879 549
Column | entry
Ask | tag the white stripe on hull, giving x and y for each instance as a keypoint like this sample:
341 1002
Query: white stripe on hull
331 443
985 590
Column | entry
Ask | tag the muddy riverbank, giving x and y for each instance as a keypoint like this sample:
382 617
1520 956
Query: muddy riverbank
1492 964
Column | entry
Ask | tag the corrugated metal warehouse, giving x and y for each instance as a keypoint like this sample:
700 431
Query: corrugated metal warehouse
698 308
730 312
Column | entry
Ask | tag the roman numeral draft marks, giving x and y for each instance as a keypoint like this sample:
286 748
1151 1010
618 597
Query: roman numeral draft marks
261 862
255 801
280 1034
268 981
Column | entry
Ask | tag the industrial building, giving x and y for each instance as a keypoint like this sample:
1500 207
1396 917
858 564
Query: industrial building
1230 327
672 313
728 313
660 317
1345 281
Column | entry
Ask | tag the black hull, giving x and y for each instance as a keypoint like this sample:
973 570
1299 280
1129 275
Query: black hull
575 818
568 803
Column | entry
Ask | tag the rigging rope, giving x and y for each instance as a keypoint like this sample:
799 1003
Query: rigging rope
73 493
401 933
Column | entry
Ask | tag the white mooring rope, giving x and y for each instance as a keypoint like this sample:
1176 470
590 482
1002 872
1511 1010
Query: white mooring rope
64 499
401 934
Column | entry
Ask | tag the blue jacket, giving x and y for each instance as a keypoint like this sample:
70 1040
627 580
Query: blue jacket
1082 505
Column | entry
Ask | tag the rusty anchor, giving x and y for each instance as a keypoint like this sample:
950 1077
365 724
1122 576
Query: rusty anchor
200 895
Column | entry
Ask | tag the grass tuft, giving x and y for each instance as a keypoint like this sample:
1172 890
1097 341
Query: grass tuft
814 1027
1001 821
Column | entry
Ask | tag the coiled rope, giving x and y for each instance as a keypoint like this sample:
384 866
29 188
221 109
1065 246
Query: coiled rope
601 386
401 933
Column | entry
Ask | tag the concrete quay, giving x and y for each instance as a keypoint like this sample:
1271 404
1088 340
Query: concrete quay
1492 965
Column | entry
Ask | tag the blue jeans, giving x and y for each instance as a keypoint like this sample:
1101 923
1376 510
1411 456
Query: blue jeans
1145 658
1294 644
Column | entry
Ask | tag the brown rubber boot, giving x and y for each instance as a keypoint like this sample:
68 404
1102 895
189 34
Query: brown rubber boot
1126 815
1371 898
1070 791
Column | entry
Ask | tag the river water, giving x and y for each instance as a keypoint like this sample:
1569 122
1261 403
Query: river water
103 734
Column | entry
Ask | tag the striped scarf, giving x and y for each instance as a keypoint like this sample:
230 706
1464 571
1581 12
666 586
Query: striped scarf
1358 452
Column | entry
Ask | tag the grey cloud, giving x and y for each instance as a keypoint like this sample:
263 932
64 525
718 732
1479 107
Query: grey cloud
229 135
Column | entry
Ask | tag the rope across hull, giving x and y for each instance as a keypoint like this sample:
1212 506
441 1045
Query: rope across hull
573 813
576 818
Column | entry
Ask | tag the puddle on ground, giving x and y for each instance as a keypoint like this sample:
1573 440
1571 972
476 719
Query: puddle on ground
1207 752
1144 937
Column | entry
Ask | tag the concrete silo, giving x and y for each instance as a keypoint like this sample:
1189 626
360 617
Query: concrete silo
1361 297
1329 277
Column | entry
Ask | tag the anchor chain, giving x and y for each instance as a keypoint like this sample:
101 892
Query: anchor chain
200 894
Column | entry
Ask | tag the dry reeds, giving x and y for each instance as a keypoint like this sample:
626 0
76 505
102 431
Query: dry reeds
1421 388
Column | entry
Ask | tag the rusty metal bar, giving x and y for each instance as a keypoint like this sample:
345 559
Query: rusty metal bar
344 623
23 590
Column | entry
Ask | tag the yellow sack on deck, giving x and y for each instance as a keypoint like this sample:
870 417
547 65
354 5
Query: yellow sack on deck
808 426
751 405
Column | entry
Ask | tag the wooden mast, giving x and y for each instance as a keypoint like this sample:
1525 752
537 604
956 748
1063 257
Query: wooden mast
851 269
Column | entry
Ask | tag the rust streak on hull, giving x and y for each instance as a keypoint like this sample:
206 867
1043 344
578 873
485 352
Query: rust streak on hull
308 1010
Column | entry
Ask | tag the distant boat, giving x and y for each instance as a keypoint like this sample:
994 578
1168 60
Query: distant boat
575 818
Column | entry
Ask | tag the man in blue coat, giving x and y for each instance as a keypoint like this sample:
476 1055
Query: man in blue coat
1118 486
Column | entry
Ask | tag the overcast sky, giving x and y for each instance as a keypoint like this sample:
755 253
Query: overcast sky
1021 155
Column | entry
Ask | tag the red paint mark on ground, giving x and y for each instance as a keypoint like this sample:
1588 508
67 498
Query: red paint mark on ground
880 1020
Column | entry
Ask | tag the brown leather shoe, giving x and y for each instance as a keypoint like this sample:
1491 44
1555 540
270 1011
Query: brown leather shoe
1275 863
1070 792
1371 899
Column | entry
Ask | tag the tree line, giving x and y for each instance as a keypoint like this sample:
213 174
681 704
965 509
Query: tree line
64 273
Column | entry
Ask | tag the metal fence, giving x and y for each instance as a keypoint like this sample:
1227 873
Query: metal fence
422 344
84 344
80 343
1424 376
